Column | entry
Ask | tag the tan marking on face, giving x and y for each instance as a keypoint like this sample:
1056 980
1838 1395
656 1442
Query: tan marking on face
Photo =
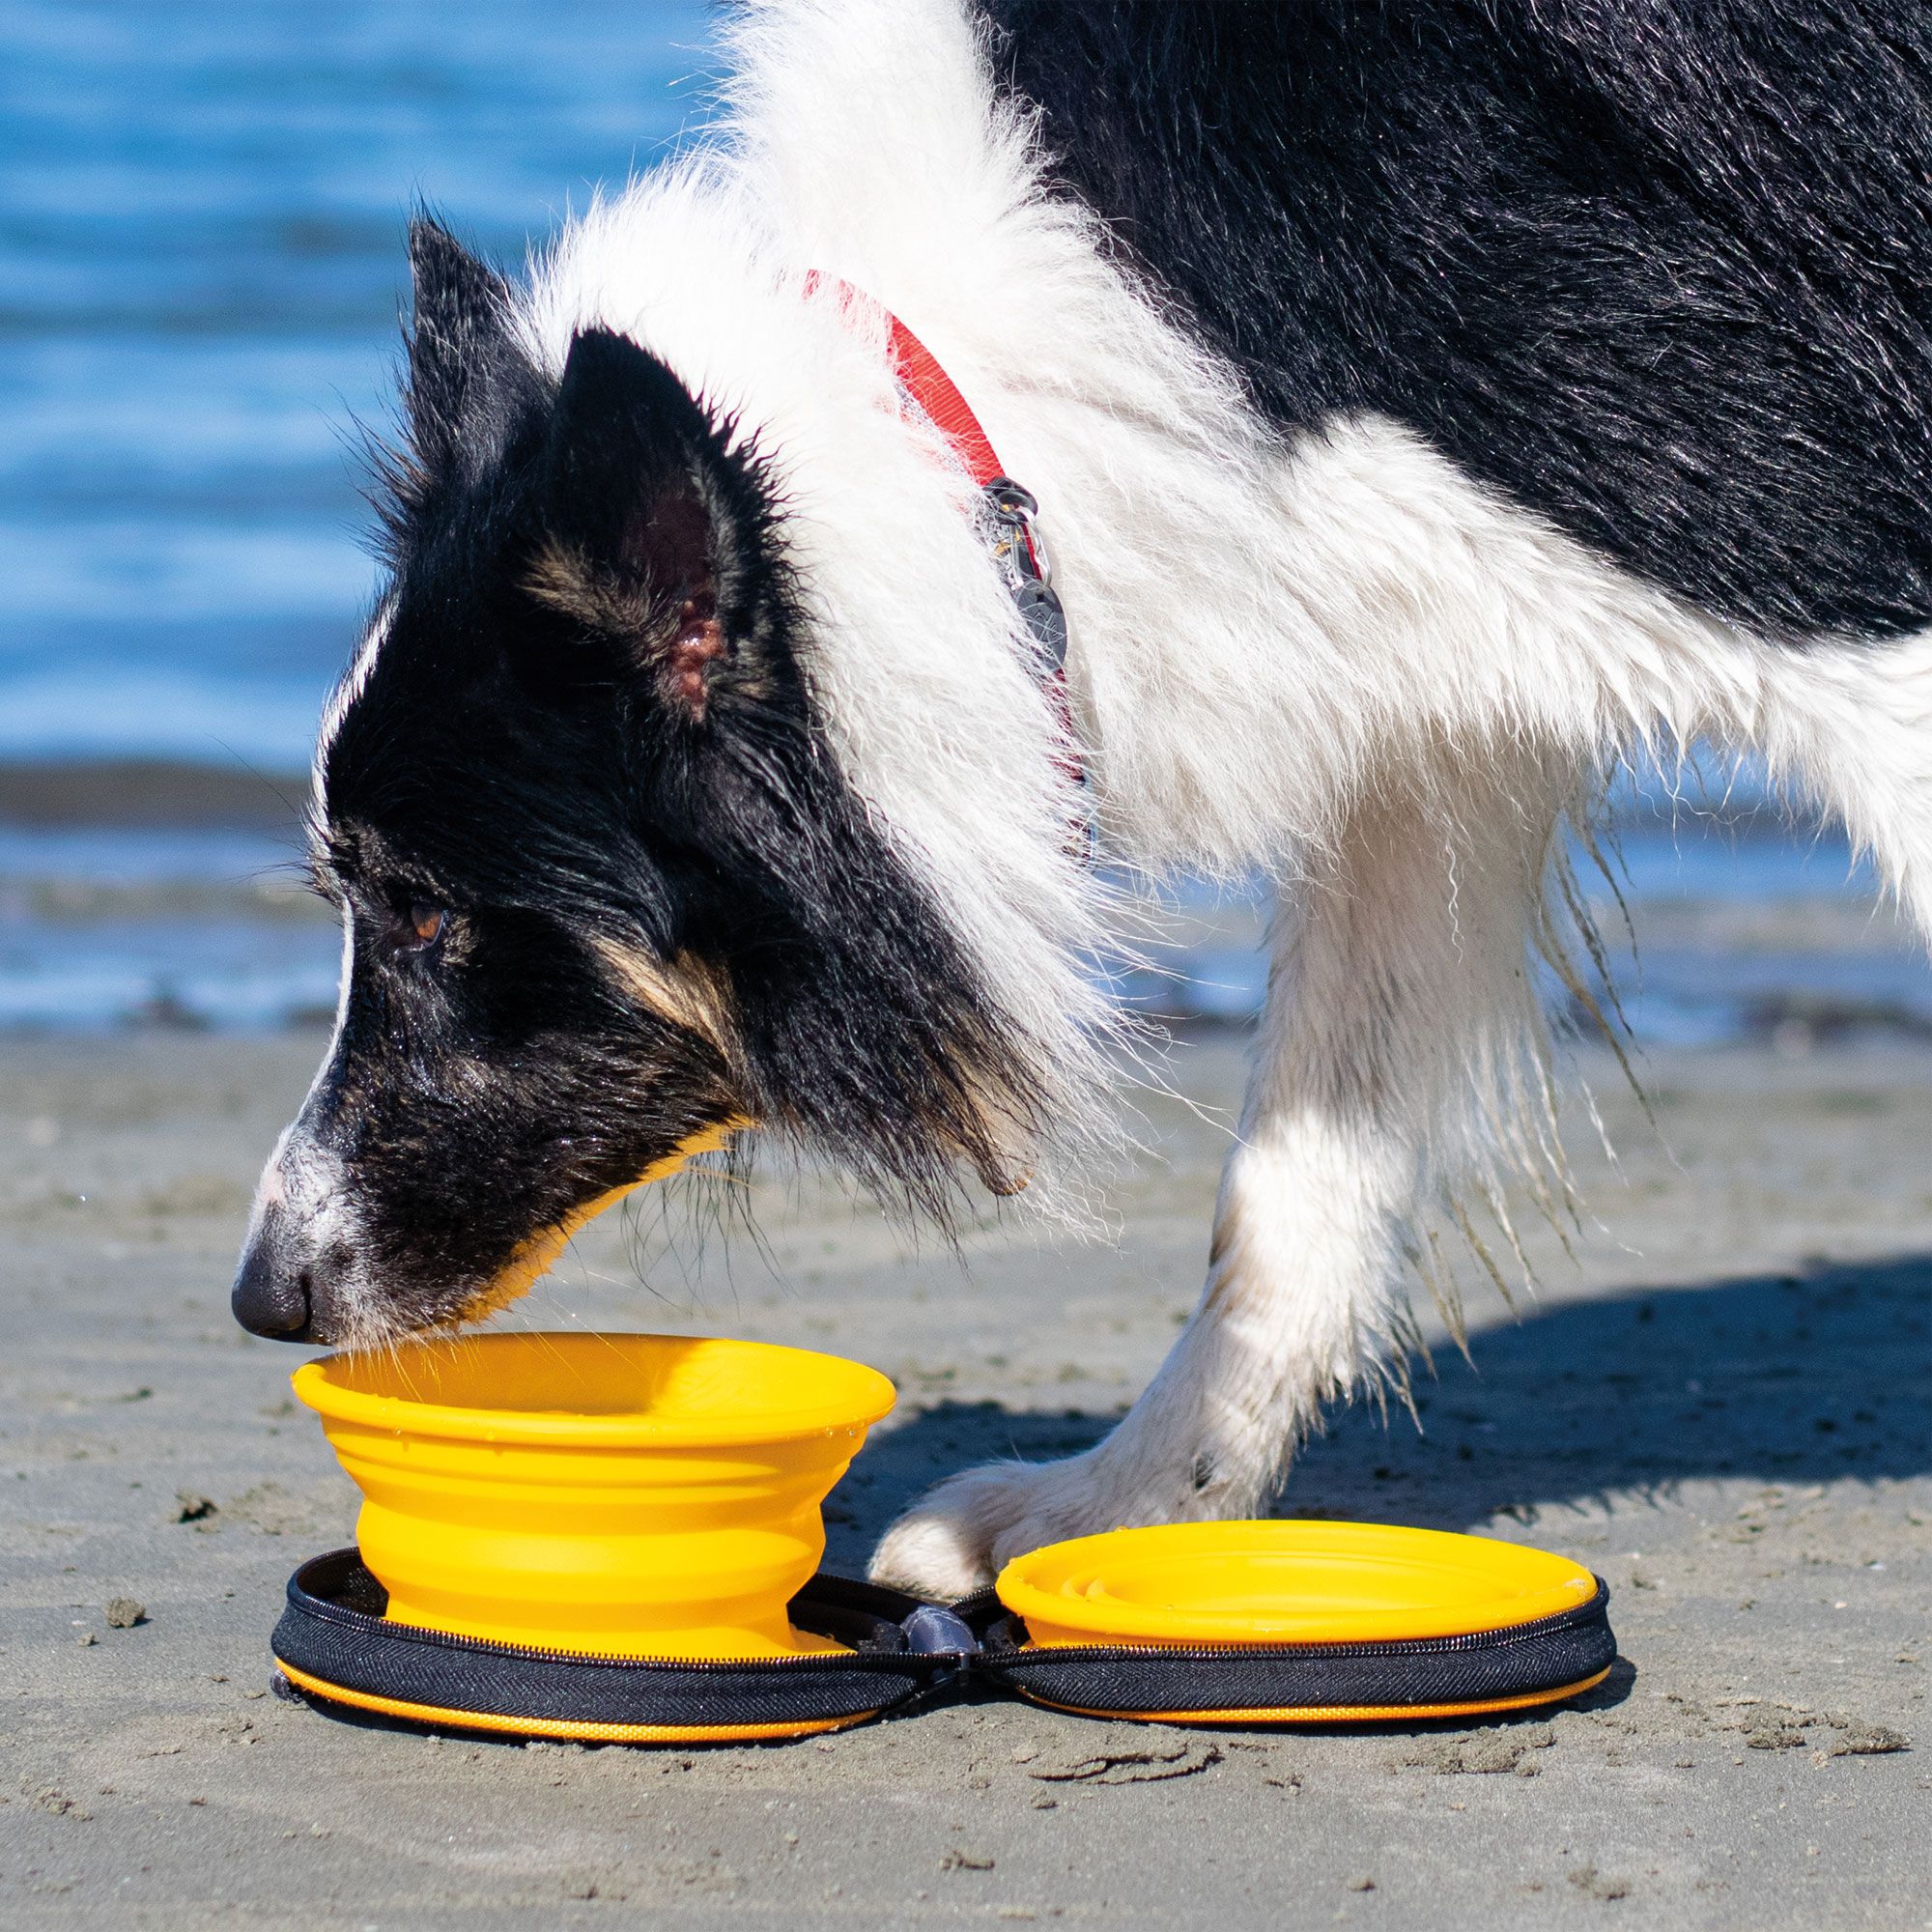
685 990
535 1257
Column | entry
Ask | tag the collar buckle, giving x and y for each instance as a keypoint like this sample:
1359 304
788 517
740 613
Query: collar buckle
1009 512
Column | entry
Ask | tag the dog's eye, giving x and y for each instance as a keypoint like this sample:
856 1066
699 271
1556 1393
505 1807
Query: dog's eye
420 927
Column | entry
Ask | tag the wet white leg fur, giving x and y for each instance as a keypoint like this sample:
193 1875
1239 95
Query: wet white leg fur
1398 989
1399 1015
1342 664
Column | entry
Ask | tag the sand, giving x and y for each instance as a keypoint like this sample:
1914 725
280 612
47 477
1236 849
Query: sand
1721 1408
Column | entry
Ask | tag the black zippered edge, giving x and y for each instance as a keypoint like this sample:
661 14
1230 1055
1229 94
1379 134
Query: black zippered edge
315 1592
1464 1667
334 1630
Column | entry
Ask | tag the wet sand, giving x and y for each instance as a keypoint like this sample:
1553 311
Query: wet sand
1721 1408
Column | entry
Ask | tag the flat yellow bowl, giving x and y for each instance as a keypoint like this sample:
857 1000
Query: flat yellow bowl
1284 1582
630 1495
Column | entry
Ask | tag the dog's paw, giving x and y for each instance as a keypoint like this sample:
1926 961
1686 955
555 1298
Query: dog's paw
956 1539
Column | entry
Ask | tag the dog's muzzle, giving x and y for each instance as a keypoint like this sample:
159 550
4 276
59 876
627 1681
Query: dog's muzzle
282 1280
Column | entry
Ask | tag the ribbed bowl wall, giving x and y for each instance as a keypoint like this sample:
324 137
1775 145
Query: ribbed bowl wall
617 1552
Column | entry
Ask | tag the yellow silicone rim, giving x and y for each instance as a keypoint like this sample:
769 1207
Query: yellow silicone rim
849 1396
1311 1581
568 1728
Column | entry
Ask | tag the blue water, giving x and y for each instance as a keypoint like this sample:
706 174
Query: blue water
1845 972
201 215
201 265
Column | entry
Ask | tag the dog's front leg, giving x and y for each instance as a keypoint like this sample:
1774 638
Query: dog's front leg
1400 1025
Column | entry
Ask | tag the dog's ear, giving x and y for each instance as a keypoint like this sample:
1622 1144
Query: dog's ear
469 382
652 526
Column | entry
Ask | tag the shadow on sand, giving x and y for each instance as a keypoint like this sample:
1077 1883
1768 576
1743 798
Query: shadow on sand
1775 1379
1790 1380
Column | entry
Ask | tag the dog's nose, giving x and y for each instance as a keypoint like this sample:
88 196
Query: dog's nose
276 1286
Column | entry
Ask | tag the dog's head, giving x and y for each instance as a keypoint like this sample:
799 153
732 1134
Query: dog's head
603 890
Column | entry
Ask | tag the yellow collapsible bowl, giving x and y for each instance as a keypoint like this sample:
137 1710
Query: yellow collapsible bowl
1284 1582
620 1495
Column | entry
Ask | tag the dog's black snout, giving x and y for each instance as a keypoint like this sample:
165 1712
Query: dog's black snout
276 1286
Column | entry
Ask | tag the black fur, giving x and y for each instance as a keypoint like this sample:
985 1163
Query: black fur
522 766
1660 270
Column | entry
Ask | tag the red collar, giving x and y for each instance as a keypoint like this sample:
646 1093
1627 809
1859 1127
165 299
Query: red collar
1007 511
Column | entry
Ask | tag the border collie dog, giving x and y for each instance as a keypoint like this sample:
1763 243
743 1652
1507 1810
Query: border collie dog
1424 405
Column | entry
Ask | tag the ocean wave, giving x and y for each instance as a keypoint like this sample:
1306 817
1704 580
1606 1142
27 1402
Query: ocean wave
132 712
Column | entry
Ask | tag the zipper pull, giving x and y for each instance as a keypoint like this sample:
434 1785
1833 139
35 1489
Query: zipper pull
934 1632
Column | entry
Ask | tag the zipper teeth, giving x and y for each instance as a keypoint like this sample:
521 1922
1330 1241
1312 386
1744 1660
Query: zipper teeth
309 1604
1310 1653
1593 1611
